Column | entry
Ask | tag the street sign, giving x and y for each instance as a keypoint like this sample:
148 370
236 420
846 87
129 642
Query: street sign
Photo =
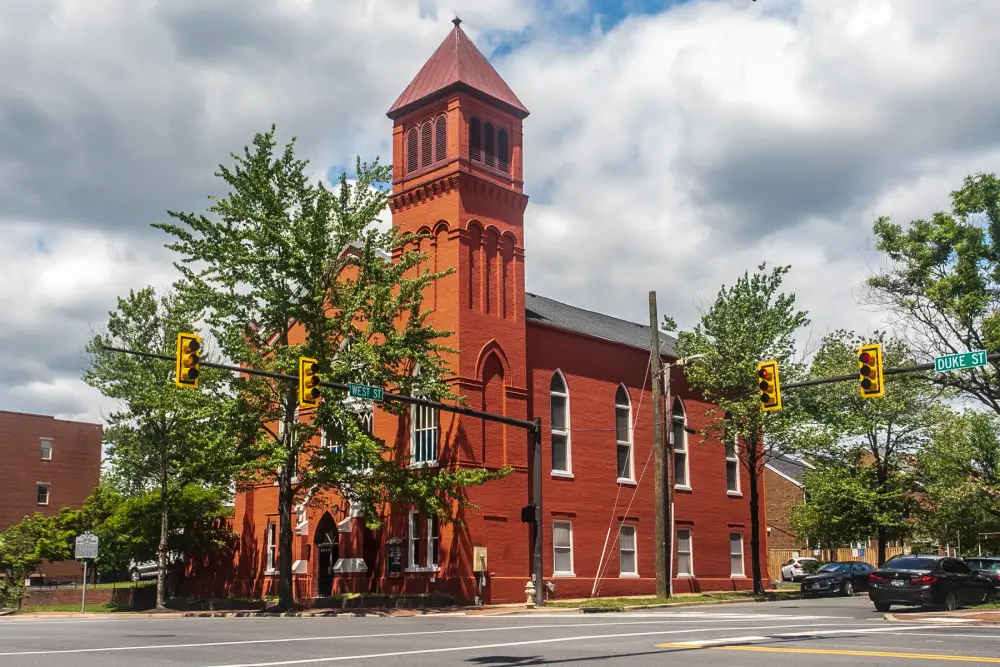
86 546
364 391
956 362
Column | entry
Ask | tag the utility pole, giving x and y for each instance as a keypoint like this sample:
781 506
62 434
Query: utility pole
535 498
664 542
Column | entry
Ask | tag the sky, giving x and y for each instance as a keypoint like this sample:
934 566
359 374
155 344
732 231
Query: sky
671 146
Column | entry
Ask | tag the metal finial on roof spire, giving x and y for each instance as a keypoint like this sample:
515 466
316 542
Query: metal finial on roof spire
457 21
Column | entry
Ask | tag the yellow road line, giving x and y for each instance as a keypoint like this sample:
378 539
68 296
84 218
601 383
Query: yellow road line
819 651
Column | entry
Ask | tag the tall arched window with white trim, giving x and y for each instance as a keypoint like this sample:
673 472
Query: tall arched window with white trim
423 433
678 419
559 416
623 435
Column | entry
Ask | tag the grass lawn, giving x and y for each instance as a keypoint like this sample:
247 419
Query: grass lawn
102 608
702 598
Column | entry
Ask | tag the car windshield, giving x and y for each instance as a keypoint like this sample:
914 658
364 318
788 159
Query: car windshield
836 567
991 565
909 564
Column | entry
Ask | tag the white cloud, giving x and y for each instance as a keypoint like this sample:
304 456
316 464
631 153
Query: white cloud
673 152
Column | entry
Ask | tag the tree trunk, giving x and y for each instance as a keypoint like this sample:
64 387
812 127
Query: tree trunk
758 583
286 596
161 552
883 536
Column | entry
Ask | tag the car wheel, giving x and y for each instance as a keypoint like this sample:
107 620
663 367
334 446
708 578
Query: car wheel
882 607
848 589
134 575
950 601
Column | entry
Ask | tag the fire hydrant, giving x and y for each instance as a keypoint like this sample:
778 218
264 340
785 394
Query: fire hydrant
529 594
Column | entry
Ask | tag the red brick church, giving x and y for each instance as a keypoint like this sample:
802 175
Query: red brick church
457 156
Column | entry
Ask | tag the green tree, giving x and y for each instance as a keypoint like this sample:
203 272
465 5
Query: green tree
957 479
27 543
280 257
842 505
162 437
749 322
942 284
878 433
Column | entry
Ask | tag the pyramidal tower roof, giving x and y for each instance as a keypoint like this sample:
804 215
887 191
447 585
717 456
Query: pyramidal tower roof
457 64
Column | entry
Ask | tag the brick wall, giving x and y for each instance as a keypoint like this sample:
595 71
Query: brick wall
782 496
137 598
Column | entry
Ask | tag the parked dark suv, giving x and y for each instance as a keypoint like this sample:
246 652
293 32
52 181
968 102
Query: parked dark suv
927 581
988 566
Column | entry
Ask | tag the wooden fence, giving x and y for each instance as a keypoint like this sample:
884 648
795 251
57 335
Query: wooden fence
776 558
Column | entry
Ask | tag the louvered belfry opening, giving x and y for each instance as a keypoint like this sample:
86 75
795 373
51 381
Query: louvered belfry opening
425 144
503 161
411 150
491 153
475 140
440 138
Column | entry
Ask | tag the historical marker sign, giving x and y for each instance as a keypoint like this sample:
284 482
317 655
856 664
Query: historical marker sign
957 362
86 546
365 391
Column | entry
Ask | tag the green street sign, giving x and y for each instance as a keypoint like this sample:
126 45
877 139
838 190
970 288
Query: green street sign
364 391
957 362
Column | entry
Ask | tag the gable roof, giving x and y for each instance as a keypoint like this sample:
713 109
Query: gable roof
457 64
789 467
564 316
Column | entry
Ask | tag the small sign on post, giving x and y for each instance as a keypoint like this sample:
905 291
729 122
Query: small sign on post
366 391
957 362
85 549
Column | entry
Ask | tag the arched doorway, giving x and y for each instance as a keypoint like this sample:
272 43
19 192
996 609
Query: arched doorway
329 551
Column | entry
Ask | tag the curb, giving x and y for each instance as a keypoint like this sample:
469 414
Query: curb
941 619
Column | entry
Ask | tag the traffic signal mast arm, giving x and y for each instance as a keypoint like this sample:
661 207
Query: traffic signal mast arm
531 426
888 371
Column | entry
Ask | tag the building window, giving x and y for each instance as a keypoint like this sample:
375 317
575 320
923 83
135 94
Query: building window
440 138
623 434
562 548
685 562
46 449
626 550
681 473
269 539
475 140
423 433
491 153
414 539
559 412
43 493
503 148
732 467
412 150
433 540
736 554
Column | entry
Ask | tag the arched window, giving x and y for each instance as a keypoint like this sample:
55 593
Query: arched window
559 413
412 142
475 140
491 153
503 147
425 144
623 434
678 422
423 433
440 138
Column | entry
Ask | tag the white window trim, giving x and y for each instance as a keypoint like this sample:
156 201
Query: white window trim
411 566
48 493
635 551
685 451
743 565
629 442
690 553
568 472
436 429
271 542
572 564
51 442
738 491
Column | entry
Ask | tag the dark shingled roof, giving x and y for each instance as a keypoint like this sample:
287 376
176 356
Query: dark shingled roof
564 316
789 467
457 64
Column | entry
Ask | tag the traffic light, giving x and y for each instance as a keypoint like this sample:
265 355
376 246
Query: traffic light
770 388
308 383
188 360
870 370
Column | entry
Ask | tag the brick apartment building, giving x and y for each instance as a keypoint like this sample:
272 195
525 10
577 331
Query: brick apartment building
48 464
457 161
783 480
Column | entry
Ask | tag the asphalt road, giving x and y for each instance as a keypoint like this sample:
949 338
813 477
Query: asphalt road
814 632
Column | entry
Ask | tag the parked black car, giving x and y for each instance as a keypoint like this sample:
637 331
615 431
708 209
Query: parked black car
988 566
840 578
927 581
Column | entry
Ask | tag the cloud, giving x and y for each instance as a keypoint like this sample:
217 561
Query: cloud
671 146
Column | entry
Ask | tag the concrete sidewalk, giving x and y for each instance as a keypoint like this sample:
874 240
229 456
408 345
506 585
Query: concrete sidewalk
963 617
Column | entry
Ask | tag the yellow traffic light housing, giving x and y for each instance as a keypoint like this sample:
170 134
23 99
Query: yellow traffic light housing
769 386
188 360
870 371
308 383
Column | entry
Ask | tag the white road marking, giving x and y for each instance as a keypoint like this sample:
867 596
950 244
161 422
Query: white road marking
478 647
242 642
946 619
784 635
